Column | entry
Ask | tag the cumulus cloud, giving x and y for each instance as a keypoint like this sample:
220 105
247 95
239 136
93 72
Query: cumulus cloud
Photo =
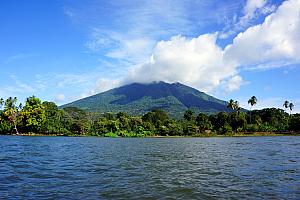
274 42
198 62
201 63
234 83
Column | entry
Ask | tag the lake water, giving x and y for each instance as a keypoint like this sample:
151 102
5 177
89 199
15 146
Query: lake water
149 168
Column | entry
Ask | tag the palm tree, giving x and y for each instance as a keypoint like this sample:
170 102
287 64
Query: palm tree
234 105
286 105
20 106
291 106
237 107
252 101
231 104
1 102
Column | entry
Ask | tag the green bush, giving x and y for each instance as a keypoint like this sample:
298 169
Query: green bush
5 127
252 128
265 127
111 134
226 129
295 123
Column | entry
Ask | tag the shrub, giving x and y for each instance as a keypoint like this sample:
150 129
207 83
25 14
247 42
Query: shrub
111 134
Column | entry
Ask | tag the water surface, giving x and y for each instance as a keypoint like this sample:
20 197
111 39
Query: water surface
149 168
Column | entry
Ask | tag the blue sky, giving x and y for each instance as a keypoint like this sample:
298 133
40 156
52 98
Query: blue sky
65 50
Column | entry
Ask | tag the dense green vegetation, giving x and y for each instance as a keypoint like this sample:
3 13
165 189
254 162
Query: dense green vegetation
37 117
137 99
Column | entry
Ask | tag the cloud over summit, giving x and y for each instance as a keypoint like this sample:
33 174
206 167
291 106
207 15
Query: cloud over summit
198 62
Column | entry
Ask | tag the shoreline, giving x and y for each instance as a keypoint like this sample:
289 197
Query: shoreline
260 134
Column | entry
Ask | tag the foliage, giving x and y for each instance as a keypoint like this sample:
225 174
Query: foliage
33 115
295 123
238 121
11 114
111 134
272 119
233 105
156 117
5 126
252 101
189 115
220 121
56 120
47 118
203 122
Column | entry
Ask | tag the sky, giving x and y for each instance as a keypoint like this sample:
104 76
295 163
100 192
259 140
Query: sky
64 50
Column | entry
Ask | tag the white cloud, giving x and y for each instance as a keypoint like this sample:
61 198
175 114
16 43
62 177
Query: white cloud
252 10
253 6
120 46
234 83
196 62
104 85
201 63
275 41
130 29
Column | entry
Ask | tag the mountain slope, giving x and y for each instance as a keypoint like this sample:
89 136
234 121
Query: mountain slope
137 99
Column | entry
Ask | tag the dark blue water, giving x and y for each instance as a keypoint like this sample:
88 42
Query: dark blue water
149 168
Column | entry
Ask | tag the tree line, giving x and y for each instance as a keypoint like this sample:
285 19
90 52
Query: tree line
37 117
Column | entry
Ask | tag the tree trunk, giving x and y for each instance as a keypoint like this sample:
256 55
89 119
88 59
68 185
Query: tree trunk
250 115
16 130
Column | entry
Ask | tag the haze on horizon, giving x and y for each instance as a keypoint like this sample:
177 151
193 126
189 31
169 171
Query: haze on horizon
233 49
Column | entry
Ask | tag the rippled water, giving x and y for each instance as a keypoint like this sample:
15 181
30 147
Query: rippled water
149 168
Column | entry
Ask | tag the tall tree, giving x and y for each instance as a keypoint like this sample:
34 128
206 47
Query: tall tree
230 104
286 105
156 117
203 122
33 114
12 112
189 115
237 121
252 101
291 106
234 105
53 123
